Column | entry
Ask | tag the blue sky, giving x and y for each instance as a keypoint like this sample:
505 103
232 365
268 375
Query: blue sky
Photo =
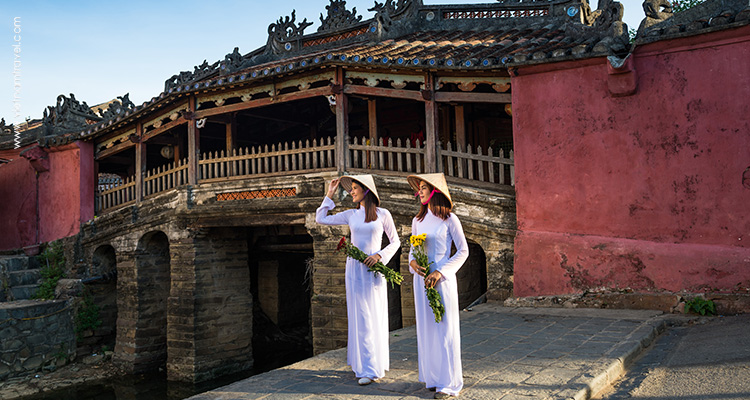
99 50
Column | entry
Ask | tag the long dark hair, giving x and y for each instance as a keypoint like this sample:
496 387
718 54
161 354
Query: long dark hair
438 204
371 204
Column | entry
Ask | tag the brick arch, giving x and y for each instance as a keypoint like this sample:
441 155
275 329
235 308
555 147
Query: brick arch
143 289
103 261
472 277
498 253
100 282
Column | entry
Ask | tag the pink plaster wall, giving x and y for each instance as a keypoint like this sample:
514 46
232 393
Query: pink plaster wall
18 221
66 191
65 196
642 191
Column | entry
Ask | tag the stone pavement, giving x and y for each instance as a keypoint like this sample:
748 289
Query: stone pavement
507 353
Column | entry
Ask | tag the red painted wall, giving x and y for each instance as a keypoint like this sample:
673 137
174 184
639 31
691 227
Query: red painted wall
642 191
66 197
18 222
64 194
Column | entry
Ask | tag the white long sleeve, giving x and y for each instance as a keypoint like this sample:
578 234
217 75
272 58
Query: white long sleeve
457 236
390 231
322 217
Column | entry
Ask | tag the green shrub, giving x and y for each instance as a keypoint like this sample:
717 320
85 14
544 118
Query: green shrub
700 306
87 317
52 260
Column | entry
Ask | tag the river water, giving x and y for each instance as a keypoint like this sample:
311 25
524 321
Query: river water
270 353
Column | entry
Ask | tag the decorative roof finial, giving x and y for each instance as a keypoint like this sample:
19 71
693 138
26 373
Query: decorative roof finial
283 32
338 17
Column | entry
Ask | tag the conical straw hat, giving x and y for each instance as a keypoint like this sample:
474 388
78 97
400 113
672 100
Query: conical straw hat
365 180
436 180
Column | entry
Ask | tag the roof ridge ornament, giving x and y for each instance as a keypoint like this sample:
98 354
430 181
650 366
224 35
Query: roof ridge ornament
656 11
386 13
232 62
67 115
6 129
338 17
282 33
118 109
185 77
605 23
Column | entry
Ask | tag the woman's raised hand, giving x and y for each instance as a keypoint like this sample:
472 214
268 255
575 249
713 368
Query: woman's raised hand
332 188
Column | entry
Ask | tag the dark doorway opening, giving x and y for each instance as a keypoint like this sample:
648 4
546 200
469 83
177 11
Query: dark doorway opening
281 287
472 277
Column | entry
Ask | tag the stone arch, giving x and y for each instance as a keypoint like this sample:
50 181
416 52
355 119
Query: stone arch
100 286
153 282
498 259
472 277
103 262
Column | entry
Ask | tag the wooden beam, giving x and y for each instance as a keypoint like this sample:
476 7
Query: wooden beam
431 128
193 147
114 149
471 97
231 140
164 128
384 92
372 118
231 134
140 164
164 139
304 94
285 120
178 148
460 126
342 122
118 160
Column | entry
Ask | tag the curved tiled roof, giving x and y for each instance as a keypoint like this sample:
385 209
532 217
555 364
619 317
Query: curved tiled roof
406 34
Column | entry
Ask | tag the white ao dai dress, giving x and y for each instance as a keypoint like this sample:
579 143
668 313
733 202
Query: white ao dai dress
439 343
366 292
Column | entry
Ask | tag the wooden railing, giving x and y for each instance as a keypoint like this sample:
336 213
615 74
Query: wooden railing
364 155
165 177
399 157
293 158
478 165
117 196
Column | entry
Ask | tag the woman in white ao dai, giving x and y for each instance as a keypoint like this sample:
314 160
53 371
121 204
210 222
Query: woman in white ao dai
366 292
438 343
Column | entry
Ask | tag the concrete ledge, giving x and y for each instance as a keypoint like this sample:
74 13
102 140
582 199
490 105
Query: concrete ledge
535 353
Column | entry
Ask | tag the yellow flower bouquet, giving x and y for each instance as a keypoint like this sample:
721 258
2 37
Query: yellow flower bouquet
436 302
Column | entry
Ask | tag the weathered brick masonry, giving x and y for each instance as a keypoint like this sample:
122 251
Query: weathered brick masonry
184 281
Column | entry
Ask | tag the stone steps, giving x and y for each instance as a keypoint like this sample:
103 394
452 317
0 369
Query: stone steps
24 277
20 276
23 292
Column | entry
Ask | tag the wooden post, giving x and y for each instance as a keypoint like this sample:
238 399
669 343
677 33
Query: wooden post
342 121
431 127
231 133
460 127
177 146
140 163
193 144
372 117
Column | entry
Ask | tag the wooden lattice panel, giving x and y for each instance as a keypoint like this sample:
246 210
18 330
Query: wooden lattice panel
256 194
